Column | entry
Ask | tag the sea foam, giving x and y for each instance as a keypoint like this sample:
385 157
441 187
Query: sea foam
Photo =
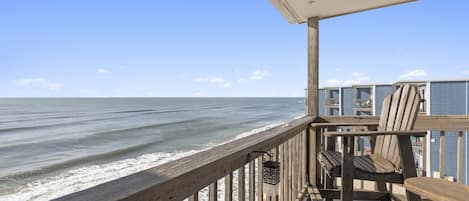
89 176
85 177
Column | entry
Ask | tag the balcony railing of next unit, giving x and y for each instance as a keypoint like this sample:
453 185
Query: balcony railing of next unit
332 102
363 103
239 164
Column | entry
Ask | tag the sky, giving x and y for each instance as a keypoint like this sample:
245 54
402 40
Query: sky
241 48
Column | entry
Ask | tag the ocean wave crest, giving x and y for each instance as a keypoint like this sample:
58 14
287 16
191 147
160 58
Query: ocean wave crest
85 177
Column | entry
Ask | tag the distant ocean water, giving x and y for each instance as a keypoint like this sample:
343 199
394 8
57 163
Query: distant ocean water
55 146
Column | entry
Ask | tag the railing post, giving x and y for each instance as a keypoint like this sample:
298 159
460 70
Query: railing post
314 146
313 66
460 156
442 154
347 173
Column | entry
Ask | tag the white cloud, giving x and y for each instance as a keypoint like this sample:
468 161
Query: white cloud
212 80
414 74
255 75
333 82
39 83
216 80
201 79
226 85
259 74
102 71
351 82
243 80
356 78
466 72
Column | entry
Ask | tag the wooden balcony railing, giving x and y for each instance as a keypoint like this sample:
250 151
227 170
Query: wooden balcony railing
239 164
442 124
186 177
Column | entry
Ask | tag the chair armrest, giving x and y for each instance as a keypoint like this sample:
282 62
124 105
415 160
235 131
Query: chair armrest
324 125
415 133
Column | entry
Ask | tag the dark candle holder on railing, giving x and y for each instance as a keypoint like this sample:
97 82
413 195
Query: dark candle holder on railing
270 170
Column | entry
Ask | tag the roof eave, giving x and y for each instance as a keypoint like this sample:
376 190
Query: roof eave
288 12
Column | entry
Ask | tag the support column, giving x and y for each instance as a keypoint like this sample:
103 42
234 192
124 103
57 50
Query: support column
313 66
312 98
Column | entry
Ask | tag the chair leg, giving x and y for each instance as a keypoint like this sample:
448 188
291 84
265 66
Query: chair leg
412 197
381 184
408 163
330 182
329 185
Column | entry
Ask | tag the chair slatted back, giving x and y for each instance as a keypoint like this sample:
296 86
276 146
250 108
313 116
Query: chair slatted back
398 113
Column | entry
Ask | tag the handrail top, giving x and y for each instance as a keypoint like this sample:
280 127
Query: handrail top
334 124
424 122
415 133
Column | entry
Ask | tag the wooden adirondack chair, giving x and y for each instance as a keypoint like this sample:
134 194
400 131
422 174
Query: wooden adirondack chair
392 159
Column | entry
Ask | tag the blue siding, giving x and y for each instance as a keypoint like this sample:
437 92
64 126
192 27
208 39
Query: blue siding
447 98
467 97
381 92
322 102
333 111
347 101
466 140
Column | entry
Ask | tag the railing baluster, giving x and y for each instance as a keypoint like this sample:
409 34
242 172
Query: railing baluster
229 187
285 171
252 181
290 169
298 182
362 153
260 179
282 167
460 156
295 168
442 154
241 184
303 159
424 156
194 197
297 165
213 191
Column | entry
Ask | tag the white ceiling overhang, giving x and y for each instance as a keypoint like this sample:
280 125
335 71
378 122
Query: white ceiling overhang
298 11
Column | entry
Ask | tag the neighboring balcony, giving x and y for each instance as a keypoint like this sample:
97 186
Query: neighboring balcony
363 103
333 102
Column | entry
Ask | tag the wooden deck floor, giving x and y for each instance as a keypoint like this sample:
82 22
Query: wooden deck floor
397 190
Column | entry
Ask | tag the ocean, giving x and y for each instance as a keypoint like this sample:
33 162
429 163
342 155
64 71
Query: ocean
51 147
